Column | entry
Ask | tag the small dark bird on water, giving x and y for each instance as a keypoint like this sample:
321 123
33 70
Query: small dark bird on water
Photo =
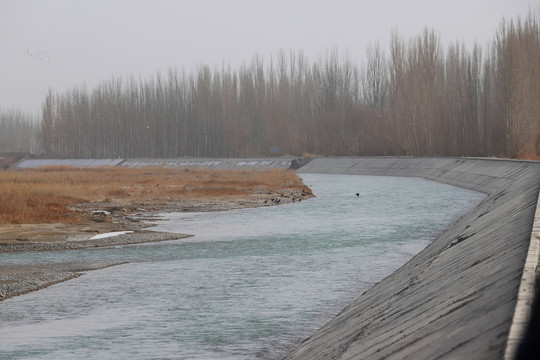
357 194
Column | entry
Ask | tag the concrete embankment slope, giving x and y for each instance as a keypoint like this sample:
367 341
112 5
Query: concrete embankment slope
455 299
184 162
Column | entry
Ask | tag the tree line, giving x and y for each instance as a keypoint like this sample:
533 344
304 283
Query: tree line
19 132
413 99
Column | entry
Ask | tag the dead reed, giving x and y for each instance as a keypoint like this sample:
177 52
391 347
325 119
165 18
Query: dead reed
527 156
46 195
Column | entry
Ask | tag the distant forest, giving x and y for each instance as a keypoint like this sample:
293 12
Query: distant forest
18 132
415 99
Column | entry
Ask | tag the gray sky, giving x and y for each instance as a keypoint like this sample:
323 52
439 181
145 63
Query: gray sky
61 43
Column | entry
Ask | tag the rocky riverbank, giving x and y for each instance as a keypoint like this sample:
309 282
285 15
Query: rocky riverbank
99 218
23 278
85 242
20 279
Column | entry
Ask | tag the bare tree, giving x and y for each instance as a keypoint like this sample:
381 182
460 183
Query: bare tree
415 101
375 79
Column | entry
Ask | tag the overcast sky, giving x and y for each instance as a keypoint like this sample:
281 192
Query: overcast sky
61 43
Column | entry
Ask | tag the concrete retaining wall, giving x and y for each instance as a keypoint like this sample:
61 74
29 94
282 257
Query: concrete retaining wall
455 299
203 163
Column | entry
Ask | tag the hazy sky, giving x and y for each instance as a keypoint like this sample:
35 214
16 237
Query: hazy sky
61 43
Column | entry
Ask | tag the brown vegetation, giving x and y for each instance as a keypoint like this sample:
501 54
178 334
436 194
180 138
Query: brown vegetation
55 194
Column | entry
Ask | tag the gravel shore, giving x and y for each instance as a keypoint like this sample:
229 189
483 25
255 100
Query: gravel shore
20 279
85 242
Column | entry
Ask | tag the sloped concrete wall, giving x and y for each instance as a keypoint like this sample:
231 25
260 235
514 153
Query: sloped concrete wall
35 163
455 299
203 163
218 163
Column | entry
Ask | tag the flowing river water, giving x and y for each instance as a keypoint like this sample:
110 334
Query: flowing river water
251 283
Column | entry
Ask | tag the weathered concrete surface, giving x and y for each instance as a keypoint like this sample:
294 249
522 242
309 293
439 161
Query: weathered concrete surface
224 163
220 164
34 163
523 323
455 299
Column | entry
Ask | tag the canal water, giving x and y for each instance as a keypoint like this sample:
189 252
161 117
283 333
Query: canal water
251 283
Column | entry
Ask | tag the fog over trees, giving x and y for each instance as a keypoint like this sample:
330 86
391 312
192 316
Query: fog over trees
416 99
18 132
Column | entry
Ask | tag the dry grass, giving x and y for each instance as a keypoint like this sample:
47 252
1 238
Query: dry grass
46 195
528 156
